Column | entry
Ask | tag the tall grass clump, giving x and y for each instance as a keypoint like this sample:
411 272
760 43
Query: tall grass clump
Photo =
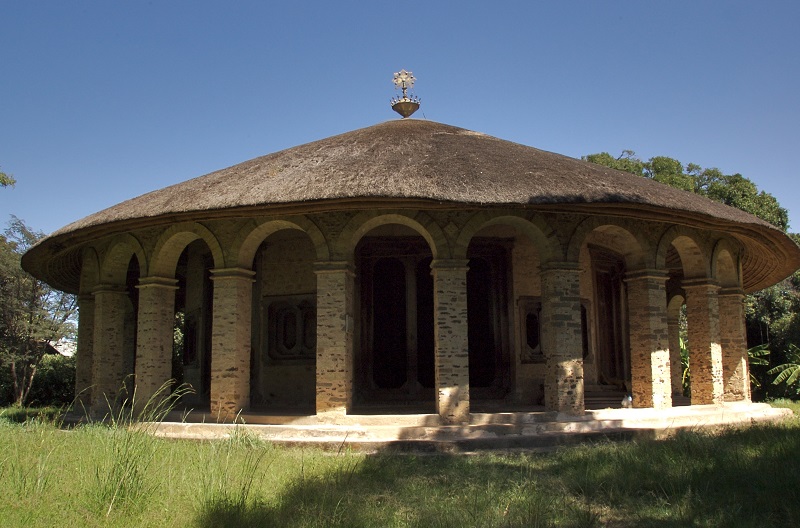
228 474
27 472
122 477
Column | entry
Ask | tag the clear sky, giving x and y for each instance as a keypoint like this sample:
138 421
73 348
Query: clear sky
103 101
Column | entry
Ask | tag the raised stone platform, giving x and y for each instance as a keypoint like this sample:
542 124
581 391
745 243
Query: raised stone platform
487 431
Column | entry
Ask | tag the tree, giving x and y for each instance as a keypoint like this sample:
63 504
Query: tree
734 190
33 315
6 180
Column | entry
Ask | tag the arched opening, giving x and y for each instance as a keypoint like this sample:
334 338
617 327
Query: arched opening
606 256
504 304
678 353
284 324
612 351
690 277
130 326
394 351
191 360
488 312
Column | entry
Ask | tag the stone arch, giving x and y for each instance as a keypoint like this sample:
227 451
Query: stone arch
674 304
250 242
174 240
726 265
674 308
282 254
536 229
114 267
90 270
694 255
606 251
364 223
393 304
629 243
503 287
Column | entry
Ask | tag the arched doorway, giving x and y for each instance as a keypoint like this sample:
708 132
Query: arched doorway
488 315
395 352
612 350
191 362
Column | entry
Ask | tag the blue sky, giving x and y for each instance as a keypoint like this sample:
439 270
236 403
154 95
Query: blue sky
104 101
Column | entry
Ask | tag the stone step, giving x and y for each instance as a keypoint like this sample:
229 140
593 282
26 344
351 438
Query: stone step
501 431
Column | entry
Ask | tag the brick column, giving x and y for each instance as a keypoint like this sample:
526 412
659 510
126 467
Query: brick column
649 339
562 337
451 344
733 339
705 353
85 354
155 335
230 342
676 366
334 339
108 361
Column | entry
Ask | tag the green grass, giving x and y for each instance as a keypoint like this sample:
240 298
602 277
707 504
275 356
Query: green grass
52 477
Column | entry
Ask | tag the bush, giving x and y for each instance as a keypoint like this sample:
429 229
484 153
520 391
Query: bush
6 385
54 383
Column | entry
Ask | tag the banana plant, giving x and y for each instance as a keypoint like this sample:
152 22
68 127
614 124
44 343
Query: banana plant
758 355
788 373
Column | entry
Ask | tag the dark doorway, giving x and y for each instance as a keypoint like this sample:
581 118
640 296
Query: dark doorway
487 316
613 355
191 358
395 359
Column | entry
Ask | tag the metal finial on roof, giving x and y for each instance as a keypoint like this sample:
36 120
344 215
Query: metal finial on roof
408 104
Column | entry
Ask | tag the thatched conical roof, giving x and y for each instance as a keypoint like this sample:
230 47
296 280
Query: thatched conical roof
422 161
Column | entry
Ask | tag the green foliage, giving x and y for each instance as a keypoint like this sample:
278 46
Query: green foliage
734 190
6 180
627 161
229 474
670 171
122 480
33 315
686 380
54 383
773 318
788 374
757 356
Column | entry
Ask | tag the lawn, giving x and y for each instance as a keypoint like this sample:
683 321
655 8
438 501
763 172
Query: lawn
96 475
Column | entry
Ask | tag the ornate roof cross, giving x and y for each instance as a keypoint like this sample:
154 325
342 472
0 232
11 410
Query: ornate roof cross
406 105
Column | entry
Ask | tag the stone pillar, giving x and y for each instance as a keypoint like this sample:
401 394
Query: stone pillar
155 336
335 282
733 339
562 342
705 353
85 354
451 340
676 366
111 303
230 342
649 339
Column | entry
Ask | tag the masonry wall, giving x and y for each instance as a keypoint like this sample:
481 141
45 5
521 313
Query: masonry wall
530 367
285 271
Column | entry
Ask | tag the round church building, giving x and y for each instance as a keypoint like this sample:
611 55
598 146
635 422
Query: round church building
413 267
